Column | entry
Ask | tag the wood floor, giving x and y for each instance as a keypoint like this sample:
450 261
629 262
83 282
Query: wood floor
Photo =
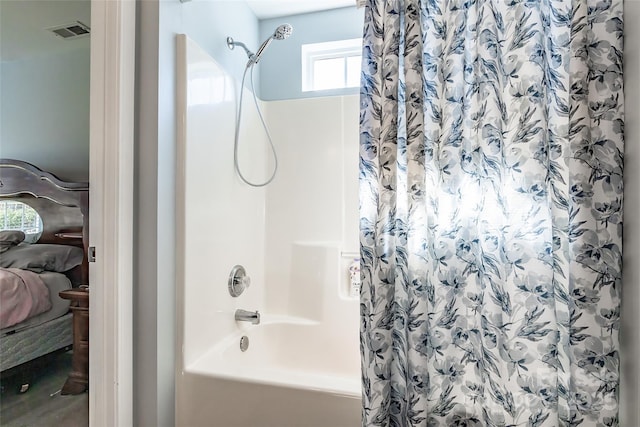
37 407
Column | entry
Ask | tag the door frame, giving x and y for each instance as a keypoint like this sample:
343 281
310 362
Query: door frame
111 212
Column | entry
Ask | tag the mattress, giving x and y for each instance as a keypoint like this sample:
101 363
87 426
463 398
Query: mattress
56 282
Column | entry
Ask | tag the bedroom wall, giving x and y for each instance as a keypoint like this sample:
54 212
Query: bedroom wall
44 114
44 87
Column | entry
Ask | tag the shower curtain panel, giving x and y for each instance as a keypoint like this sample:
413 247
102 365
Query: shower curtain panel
491 212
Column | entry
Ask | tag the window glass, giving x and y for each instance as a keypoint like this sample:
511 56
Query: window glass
354 66
328 73
16 215
331 65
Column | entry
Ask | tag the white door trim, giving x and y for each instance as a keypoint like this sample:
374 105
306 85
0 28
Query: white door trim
111 212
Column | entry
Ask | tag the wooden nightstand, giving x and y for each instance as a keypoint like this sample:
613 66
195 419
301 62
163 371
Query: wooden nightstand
78 380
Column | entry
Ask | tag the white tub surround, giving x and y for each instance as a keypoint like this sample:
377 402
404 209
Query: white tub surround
302 365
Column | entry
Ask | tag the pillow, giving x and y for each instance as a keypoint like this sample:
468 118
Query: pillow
42 257
10 238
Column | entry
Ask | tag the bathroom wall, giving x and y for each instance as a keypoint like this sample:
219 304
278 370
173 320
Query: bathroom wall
208 23
630 314
312 205
221 220
281 69
309 212
313 202
311 151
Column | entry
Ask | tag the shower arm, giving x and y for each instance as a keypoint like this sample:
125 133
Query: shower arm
232 43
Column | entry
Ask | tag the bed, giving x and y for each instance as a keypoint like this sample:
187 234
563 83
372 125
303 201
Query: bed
56 258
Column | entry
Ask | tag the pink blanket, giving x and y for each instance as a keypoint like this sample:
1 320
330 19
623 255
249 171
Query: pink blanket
23 294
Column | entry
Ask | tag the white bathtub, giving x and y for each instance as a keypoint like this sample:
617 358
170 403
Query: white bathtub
289 376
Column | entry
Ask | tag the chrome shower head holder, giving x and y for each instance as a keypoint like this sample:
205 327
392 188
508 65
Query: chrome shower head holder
282 32
231 44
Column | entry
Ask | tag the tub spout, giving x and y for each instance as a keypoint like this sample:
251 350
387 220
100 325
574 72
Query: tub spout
248 316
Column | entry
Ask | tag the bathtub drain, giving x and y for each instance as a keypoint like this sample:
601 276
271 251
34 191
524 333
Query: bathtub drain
244 343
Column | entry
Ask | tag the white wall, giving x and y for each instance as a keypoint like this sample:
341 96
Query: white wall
220 219
314 197
630 314
312 206
44 112
312 217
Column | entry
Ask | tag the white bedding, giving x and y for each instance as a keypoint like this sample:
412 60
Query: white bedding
56 282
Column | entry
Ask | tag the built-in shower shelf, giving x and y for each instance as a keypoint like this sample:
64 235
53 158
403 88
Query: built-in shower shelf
350 254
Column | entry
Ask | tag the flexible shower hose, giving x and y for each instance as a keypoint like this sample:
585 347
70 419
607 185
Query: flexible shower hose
250 65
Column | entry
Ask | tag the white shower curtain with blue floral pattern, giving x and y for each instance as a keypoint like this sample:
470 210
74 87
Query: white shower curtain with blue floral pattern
491 212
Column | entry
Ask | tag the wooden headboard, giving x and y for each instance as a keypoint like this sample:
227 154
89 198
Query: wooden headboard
63 206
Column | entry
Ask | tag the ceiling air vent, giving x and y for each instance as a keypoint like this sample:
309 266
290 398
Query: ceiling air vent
70 31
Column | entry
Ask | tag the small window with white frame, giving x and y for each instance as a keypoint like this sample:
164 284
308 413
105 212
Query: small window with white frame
331 65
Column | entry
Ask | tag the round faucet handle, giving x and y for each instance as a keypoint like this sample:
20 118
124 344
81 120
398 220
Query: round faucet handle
238 281
245 281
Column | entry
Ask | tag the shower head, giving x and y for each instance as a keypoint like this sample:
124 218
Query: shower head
281 33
